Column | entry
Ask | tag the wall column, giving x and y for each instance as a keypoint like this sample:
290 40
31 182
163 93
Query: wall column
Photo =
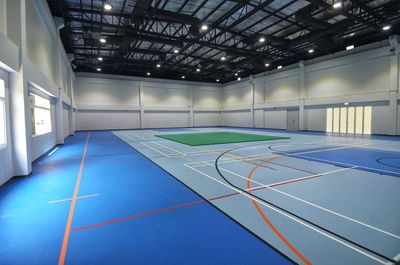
394 85
141 115
59 118
191 123
301 96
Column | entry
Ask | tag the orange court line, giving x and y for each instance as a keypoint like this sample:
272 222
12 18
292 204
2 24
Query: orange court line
268 222
67 232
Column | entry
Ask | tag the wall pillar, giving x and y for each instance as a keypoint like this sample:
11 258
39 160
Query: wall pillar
141 114
59 118
191 122
301 96
394 85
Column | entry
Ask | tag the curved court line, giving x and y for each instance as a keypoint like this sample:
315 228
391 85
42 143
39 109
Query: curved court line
269 223
67 232
379 160
292 215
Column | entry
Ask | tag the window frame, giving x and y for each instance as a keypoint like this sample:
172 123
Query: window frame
3 99
34 106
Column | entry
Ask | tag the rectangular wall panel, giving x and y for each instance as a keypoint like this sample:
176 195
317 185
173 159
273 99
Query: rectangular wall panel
207 118
107 120
166 119
238 118
316 119
66 121
276 119
259 118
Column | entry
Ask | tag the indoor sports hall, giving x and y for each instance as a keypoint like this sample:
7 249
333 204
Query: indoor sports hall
204 132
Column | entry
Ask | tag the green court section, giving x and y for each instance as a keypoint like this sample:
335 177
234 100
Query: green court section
195 139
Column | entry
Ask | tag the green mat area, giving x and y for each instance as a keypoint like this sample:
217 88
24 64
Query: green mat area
195 139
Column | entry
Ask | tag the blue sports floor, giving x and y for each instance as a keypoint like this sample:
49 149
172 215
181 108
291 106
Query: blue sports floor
128 197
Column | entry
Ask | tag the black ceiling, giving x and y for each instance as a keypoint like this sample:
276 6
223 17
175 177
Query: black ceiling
143 33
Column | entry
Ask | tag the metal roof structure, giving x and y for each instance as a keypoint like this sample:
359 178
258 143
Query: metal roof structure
209 40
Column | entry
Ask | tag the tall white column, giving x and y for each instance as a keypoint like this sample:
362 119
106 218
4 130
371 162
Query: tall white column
141 114
394 85
60 118
301 96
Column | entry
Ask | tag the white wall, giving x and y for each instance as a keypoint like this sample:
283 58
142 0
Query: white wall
367 76
32 58
121 102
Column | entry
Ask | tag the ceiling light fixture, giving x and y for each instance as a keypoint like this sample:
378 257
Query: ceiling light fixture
350 47
148 73
98 69
352 34
223 58
217 80
198 70
176 50
386 27
337 5
310 50
158 65
267 64
183 77
100 59
204 27
279 67
102 40
261 39
236 74
107 6
238 78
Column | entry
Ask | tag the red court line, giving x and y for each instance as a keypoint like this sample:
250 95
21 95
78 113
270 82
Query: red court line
187 204
67 232
269 223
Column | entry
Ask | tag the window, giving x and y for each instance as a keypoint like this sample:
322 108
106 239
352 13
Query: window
41 116
349 120
2 113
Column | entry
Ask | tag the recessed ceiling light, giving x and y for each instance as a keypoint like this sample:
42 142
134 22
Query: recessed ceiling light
223 58
337 5
352 34
148 73
279 67
198 70
310 50
236 74
238 78
98 69
158 65
176 50
107 6
267 64
217 80
386 27
102 40
261 39
183 77
100 59
204 27
350 47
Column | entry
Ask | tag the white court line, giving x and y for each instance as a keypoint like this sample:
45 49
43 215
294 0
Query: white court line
158 151
396 258
345 164
269 186
291 217
172 149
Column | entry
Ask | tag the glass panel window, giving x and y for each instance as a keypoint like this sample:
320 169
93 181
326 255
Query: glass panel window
336 116
329 120
343 120
350 120
359 120
367 119
2 113
41 115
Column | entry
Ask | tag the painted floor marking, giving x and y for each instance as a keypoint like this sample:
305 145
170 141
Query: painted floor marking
70 199
270 186
292 218
64 247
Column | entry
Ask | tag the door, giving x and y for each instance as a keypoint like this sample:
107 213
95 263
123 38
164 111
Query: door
292 120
